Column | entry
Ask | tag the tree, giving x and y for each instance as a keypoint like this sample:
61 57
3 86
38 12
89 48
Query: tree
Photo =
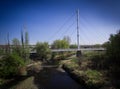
105 44
26 38
10 64
97 45
67 39
60 44
43 50
26 50
25 45
1 51
73 46
113 48
16 42
113 53
8 44
16 46
22 39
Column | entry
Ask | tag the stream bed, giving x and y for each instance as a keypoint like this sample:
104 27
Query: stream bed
55 78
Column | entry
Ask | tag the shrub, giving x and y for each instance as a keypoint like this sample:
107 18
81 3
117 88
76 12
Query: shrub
96 60
10 64
43 50
94 78
113 53
113 47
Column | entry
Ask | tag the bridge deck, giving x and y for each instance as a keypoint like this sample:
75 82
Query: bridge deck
82 49
68 50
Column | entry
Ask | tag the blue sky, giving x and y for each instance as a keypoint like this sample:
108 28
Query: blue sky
48 20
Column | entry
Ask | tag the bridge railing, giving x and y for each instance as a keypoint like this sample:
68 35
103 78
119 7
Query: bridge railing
82 49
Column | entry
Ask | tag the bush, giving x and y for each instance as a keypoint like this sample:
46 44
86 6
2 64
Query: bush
43 50
94 78
113 47
96 60
113 53
10 64
1 51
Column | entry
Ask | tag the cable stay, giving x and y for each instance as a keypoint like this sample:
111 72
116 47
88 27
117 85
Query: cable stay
96 33
68 29
61 27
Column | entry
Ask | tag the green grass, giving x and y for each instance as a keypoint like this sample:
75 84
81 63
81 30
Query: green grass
71 63
90 54
74 60
94 77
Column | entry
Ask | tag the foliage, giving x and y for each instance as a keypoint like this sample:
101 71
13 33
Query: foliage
97 60
113 53
15 42
43 50
16 46
21 50
97 45
61 55
67 39
105 44
74 60
72 63
60 44
73 46
10 65
93 74
113 48
26 48
94 78
26 38
1 51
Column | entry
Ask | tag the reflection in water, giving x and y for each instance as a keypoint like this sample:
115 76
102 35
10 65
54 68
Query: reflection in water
53 78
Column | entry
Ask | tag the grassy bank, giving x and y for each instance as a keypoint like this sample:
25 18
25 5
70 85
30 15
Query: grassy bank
88 70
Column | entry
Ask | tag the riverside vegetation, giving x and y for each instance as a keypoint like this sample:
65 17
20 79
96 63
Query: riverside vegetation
14 58
95 70
13 62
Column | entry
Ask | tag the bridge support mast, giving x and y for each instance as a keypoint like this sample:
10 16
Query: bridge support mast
78 54
78 30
